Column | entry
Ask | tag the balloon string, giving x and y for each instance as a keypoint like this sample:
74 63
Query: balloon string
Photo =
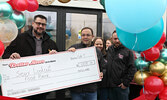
142 79
142 73
140 58
135 42
143 89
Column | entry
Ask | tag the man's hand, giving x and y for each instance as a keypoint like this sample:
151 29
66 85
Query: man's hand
52 52
101 75
72 49
15 56
122 86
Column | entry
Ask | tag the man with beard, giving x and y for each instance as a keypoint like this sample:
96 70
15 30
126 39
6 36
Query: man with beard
120 70
32 42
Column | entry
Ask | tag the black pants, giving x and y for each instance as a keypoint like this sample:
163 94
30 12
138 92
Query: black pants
134 91
37 97
60 94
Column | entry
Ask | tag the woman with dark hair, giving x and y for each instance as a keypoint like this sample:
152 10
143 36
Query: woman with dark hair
102 87
100 44
108 43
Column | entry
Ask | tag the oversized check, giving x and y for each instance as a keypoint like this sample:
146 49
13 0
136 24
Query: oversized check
38 74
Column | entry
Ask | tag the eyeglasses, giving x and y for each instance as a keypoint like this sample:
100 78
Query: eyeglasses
39 23
86 35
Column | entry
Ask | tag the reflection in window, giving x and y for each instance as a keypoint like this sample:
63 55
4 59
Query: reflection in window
74 24
51 22
108 27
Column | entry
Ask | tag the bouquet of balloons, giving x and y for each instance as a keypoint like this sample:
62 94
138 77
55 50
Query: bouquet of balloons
12 18
152 71
139 25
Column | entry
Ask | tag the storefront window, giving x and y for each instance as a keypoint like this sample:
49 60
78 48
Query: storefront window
108 27
51 22
74 23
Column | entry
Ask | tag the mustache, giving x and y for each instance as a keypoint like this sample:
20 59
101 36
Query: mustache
41 28
117 43
35 30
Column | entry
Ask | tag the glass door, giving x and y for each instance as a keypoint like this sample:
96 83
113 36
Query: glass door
51 22
74 23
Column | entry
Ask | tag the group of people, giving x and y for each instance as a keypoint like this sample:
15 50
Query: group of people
116 62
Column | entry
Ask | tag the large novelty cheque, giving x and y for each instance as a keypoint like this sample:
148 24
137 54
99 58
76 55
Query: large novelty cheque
38 74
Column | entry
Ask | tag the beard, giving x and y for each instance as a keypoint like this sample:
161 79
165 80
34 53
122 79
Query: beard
117 44
38 33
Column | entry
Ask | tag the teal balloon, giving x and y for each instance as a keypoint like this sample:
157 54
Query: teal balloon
142 65
163 61
102 2
135 16
163 56
141 41
5 10
18 18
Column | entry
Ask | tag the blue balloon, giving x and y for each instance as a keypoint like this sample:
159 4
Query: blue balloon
68 32
135 16
141 41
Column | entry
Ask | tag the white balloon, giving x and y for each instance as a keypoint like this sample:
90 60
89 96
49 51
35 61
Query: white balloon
3 1
8 31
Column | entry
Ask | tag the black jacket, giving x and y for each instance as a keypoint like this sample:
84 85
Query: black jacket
120 66
24 44
92 87
102 84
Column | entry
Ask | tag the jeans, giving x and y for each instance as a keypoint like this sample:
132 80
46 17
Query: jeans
84 96
103 94
118 93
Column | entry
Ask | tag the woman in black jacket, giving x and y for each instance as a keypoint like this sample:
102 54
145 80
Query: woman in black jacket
102 87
